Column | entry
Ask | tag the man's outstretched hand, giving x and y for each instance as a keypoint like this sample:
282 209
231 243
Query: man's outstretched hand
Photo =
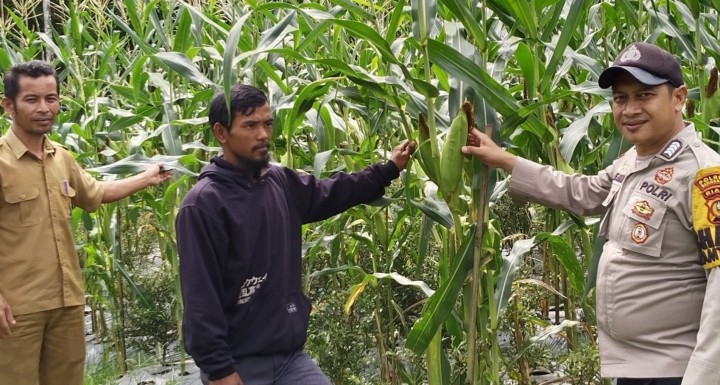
401 154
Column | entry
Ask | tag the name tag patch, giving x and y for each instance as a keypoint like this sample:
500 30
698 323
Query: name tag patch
656 191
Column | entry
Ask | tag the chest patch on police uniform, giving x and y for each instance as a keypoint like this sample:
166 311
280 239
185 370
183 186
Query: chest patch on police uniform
664 175
706 215
656 191
643 210
673 148
639 233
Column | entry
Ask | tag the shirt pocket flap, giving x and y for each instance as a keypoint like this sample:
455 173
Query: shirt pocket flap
21 194
66 189
645 209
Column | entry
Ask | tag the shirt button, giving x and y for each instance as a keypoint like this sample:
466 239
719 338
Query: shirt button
696 144
22 196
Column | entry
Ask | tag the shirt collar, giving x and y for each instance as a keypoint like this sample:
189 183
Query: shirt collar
19 148
670 151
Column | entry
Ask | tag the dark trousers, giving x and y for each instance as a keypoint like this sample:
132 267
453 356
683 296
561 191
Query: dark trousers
649 381
280 369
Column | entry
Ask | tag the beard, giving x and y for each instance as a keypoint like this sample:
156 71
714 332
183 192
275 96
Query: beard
253 165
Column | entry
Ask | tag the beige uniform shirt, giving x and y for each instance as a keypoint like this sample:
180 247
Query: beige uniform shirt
651 284
39 269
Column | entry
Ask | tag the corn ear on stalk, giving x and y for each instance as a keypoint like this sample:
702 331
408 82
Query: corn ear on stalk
451 161
429 164
711 108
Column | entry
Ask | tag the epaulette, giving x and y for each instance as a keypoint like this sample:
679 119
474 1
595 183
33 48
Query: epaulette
671 151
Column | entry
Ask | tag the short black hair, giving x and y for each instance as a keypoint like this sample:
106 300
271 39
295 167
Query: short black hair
244 99
33 69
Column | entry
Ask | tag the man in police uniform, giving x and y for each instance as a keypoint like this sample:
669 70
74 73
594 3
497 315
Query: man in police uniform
661 204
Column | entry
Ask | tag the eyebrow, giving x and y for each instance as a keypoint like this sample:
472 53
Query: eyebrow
644 88
33 94
256 121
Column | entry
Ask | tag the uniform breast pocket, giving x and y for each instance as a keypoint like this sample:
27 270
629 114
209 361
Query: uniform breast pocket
23 206
643 225
68 193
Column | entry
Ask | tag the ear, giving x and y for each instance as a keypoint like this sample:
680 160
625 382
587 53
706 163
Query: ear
221 133
8 105
679 97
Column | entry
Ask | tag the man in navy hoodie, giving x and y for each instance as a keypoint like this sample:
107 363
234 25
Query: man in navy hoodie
239 240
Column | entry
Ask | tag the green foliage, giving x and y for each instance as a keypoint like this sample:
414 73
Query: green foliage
347 81
582 365
149 325
103 373
345 343
513 219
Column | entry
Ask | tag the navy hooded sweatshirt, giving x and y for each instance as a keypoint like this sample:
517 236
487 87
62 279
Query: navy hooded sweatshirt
239 243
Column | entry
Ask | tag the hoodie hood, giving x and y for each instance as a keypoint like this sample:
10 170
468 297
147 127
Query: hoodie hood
222 171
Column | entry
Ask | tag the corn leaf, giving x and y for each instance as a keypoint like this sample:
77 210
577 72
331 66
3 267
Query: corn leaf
441 303
181 64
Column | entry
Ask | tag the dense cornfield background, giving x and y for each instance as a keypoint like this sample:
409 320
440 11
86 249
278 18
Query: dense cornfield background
347 80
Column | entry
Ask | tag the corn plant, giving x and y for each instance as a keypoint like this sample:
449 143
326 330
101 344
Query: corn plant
347 80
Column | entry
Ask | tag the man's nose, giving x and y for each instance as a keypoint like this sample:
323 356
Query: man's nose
43 106
632 107
264 134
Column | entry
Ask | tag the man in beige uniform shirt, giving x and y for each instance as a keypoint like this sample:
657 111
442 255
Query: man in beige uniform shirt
42 339
661 206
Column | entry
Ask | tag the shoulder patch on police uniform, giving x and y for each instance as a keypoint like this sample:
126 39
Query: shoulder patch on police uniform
671 150
706 215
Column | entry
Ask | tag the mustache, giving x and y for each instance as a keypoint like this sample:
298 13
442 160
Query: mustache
261 145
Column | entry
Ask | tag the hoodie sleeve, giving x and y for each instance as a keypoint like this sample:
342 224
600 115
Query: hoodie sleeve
318 199
201 242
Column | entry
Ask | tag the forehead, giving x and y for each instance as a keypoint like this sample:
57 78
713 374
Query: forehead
37 85
259 113
627 83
